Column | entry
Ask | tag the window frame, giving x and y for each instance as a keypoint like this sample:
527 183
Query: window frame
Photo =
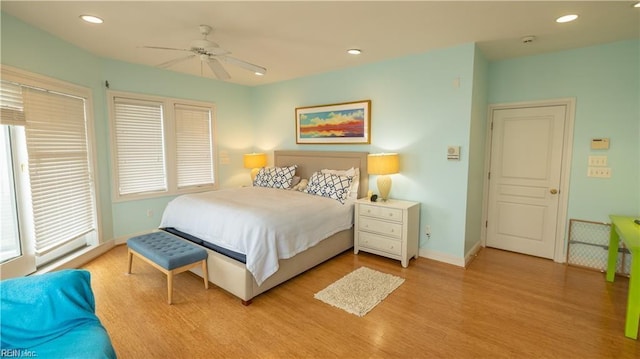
169 147
25 209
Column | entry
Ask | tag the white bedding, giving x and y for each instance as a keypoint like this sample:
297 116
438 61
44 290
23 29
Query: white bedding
264 224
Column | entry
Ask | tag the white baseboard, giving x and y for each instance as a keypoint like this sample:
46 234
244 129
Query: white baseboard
442 257
123 239
471 255
78 258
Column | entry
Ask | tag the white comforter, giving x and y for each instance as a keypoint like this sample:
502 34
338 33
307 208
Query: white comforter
265 224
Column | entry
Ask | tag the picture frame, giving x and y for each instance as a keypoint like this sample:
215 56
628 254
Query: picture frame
341 123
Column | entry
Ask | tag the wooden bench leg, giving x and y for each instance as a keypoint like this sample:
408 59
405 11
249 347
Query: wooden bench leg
130 259
169 285
170 273
205 274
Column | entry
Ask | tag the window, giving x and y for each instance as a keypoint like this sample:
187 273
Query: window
194 147
47 162
139 146
161 146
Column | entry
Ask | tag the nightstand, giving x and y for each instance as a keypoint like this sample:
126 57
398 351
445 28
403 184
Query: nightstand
388 228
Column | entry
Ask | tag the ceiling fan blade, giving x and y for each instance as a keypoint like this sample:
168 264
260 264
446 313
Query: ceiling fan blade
244 64
217 69
175 61
163 48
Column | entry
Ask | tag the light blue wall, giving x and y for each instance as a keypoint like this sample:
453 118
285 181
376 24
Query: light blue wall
605 81
233 123
31 49
417 111
28 48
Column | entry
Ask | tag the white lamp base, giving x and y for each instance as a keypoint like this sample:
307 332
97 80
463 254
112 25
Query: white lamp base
384 186
254 173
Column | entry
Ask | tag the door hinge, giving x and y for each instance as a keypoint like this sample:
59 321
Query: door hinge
491 125
486 224
488 175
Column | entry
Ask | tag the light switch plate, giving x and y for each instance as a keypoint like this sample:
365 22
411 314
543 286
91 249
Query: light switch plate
600 172
597 161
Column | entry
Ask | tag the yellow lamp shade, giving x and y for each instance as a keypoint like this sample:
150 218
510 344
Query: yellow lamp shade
383 164
255 160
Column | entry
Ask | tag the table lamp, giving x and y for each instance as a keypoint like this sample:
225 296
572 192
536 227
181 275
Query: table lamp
255 161
383 164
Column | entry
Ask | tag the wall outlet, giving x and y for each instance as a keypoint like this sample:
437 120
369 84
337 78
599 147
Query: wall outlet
427 230
149 213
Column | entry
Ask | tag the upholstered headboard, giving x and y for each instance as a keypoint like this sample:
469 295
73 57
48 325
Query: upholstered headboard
311 161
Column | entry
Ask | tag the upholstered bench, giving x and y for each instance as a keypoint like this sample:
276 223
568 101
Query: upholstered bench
168 253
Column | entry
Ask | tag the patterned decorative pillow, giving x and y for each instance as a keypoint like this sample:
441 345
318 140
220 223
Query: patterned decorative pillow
355 182
329 185
275 177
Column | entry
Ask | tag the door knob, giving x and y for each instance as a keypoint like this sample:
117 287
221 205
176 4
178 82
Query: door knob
553 191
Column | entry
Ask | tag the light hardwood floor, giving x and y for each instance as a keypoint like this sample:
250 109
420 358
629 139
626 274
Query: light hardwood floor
504 305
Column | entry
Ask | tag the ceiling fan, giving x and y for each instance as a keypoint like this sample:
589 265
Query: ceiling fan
211 54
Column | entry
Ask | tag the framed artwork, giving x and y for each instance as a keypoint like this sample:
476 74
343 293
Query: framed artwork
342 123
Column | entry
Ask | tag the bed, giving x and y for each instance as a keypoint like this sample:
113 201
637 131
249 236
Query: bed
229 270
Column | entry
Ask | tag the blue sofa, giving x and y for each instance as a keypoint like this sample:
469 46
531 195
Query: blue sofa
51 316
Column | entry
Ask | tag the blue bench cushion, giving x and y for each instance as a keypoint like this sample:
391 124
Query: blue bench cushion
166 250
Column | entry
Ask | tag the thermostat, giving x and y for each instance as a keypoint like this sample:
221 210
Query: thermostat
453 152
599 143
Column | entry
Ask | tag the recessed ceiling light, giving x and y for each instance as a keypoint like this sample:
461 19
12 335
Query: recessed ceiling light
258 73
92 19
354 51
566 18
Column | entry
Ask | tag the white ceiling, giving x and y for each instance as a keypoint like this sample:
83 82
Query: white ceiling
302 38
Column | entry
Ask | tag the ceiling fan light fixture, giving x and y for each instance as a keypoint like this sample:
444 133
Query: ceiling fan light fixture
637 5
91 19
354 51
566 18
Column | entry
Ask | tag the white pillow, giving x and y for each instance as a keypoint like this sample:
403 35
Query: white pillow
329 185
275 177
355 181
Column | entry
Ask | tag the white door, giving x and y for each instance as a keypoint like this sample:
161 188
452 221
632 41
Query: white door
16 256
524 179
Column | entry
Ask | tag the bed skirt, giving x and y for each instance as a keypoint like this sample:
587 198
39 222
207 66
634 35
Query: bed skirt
233 276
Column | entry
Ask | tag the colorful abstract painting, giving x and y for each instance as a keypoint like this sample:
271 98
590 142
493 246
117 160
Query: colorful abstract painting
339 123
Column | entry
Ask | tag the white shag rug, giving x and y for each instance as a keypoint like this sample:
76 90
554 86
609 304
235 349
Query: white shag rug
359 291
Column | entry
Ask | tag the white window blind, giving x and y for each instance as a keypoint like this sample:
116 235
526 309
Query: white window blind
194 146
139 142
61 180
11 107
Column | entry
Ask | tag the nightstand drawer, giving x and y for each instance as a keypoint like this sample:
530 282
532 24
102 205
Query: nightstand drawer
393 214
375 225
385 244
